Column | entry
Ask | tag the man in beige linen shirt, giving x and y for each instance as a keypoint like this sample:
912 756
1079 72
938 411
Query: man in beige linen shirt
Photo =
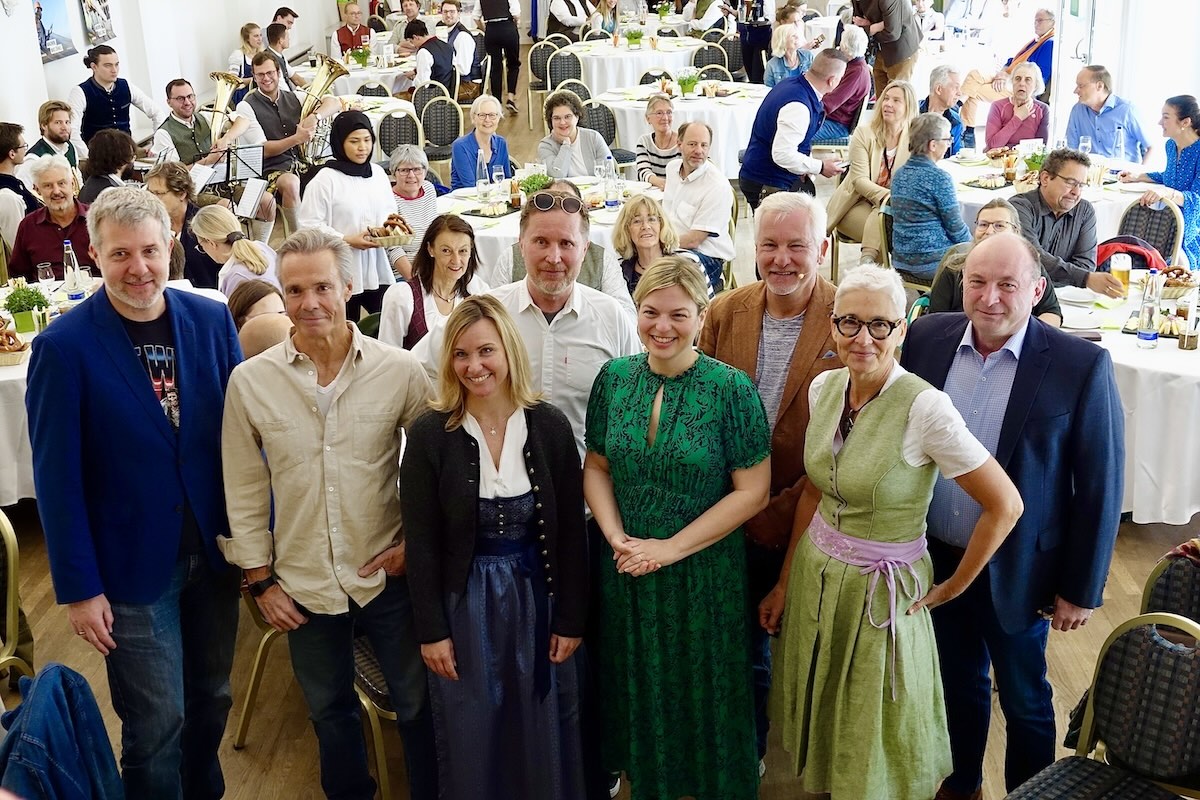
313 425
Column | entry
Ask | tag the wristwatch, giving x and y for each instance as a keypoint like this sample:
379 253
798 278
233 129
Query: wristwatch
257 588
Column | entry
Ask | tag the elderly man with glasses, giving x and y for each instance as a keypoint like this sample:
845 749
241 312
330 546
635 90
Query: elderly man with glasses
1061 225
946 293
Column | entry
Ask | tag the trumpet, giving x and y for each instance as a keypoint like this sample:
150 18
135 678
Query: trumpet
227 84
328 71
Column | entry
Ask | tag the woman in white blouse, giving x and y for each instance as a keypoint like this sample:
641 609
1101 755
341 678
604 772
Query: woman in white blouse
443 274
219 234
346 197
239 60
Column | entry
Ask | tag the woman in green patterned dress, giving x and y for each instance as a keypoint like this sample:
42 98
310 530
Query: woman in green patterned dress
678 458
863 714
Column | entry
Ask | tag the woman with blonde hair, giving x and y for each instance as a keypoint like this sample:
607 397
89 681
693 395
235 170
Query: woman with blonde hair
788 58
239 60
877 150
677 459
642 235
220 236
493 520
660 146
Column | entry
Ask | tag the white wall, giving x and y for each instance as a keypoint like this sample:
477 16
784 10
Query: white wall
156 41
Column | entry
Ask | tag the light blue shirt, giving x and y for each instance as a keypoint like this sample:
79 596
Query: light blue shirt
1102 127
979 389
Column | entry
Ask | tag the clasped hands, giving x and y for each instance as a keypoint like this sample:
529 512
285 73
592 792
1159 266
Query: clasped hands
639 557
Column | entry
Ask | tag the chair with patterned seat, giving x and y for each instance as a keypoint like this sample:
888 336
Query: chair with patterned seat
11 569
377 23
713 35
707 54
841 144
1173 587
1141 729
539 58
563 66
732 45
442 123
715 72
397 128
376 703
559 40
668 32
372 89
426 92
596 35
600 117
654 75
577 87
1161 225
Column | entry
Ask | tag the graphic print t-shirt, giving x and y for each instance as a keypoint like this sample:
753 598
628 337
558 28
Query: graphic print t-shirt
154 348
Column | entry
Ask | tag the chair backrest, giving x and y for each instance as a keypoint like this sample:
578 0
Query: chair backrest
668 32
709 53
715 72
377 23
1173 587
654 76
600 118
1161 227
713 35
886 223
595 35
373 89
559 39
1144 699
397 128
442 122
426 92
563 66
539 57
12 569
858 112
732 46
580 89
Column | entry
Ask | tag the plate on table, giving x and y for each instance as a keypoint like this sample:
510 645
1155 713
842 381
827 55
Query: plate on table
635 187
1075 295
982 183
970 161
584 181
1130 188
1076 318
602 216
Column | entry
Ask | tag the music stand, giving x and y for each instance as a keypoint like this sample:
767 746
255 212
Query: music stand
236 166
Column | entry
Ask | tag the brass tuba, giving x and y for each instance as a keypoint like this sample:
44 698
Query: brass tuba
328 71
227 84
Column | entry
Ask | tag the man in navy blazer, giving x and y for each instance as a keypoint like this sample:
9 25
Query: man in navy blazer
1045 404
125 399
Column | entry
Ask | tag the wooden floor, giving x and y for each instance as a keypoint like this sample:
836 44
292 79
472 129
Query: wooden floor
280 758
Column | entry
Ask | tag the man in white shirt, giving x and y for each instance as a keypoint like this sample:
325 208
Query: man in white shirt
704 14
466 60
104 87
567 16
778 155
278 40
399 38
698 201
16 201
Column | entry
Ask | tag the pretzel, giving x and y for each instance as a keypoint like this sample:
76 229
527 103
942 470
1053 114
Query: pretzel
11 343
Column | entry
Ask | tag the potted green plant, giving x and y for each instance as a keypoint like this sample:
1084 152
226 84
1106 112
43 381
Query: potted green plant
664 8
1034 161
533 184
361 55
634 37
687 79
21 302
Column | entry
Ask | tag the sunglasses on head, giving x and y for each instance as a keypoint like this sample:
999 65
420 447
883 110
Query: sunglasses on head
546 201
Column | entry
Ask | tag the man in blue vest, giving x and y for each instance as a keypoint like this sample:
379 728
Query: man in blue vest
103 100
779 154
435 58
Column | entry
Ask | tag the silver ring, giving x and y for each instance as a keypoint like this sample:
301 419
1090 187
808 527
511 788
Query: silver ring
81 633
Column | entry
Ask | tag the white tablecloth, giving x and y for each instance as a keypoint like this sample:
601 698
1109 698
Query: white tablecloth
16 466
606 67
1160 392
1110 203
392 77
730 118
821 25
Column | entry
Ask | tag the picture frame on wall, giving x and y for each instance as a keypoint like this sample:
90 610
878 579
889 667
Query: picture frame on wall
53 29
97 21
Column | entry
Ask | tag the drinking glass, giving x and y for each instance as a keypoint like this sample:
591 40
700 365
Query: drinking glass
499 185
45 276
1085 144
600 169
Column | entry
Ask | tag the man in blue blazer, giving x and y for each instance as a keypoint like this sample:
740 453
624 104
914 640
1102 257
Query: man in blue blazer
125 399
1045 404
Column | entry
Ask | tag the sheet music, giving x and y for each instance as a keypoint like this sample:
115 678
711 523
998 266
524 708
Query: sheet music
247 207
248 163
202 174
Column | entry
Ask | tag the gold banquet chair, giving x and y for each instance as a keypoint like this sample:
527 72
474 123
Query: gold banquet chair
256 671
8 649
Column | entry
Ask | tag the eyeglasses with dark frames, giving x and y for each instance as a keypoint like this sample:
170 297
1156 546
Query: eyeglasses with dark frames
546 201
1070 182
998 227
849 326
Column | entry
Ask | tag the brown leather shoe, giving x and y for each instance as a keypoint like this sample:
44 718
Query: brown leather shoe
946 793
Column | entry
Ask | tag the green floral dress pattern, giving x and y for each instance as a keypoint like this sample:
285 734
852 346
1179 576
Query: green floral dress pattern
673 649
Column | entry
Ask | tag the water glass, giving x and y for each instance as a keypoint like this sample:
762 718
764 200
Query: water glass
600 169
45 276
1085 144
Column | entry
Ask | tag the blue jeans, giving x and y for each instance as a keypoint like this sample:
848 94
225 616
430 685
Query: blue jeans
714 268
169 677
831 130
969 639
762 568
322 652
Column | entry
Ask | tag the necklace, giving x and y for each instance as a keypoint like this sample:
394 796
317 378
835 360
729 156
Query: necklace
444 298
850 414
